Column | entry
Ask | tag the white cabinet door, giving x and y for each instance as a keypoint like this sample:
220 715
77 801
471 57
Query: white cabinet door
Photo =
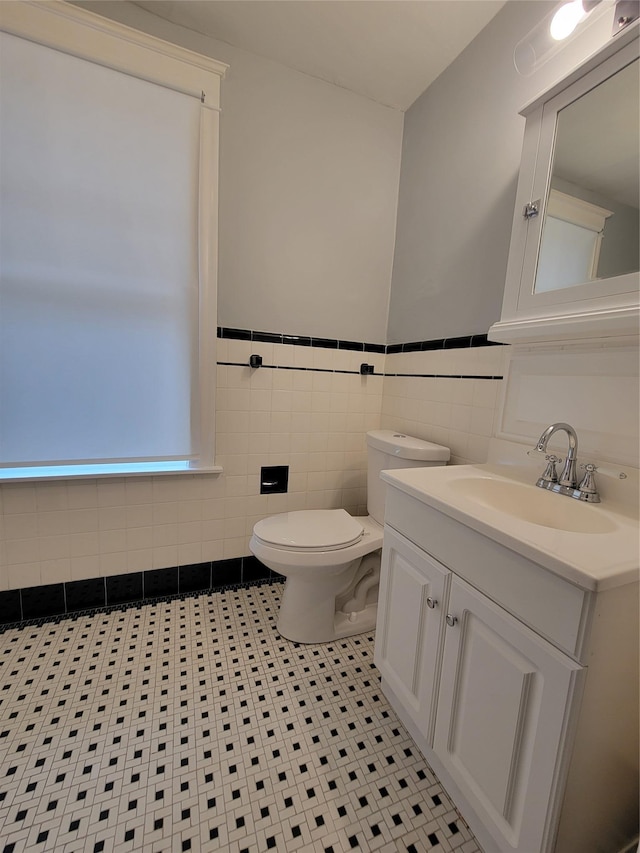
411 607
502 717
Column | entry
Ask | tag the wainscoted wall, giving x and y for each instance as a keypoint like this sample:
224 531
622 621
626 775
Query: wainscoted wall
449 396
308 407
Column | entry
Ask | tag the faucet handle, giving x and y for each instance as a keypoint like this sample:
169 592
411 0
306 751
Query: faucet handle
588 485
603 469
550 474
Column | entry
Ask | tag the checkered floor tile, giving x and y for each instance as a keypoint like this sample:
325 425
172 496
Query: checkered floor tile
190 724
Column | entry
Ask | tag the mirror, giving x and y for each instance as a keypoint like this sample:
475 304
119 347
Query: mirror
592 219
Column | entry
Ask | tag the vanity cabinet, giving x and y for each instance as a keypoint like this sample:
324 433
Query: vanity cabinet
500 721
413 597
497 705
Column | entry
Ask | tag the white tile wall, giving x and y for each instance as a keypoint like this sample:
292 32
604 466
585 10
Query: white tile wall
459 413
314 422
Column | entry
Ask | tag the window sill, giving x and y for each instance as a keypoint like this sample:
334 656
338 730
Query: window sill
94 472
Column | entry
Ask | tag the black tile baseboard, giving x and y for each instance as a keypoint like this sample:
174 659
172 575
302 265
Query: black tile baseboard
40 601
10 606
85 594
121 589
159 582
195 577
53 601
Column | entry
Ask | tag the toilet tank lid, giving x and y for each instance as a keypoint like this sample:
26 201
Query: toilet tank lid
406 446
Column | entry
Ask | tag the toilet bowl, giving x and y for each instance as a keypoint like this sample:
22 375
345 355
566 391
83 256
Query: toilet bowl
330 559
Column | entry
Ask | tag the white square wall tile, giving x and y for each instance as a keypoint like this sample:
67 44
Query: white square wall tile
55 570
164 535
22 551
51 496
485 393
82 495
190 552
21 525
23 575
82 520
111 540
282 380
111 492
55 547
165 556
138 490
53 523
139 560
85 567
325 358
18 498
139 515
238 351
113 564
482 422
262 379
238 399
461 418
165 513
112 518
138 538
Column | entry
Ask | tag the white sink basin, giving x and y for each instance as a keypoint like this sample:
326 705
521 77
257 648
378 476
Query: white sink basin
533 505
592 545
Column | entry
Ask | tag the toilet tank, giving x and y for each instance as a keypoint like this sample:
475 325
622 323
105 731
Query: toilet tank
387 449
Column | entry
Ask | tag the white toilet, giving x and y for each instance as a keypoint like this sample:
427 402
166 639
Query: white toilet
330 559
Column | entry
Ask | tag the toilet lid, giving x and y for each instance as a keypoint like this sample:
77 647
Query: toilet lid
310 530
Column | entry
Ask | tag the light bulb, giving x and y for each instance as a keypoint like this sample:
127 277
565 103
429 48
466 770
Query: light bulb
566 19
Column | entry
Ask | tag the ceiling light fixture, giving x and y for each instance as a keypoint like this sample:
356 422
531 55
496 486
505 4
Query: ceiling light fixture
566 19
547 37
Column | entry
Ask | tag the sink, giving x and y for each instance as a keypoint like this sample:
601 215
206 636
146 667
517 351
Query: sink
592 546
534 505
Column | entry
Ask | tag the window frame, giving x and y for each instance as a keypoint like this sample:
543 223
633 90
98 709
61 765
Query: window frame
89 37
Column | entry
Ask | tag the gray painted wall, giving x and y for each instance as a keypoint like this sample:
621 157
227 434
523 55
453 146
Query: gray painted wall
460 160
309 178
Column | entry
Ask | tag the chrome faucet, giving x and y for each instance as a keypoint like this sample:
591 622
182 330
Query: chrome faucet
567 482
569 476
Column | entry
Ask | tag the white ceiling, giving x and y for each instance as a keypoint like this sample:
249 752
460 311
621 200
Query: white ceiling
387 50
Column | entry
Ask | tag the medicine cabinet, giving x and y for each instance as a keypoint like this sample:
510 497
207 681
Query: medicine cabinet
574 255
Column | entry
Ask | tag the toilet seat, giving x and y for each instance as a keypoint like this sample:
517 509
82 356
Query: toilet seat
309 530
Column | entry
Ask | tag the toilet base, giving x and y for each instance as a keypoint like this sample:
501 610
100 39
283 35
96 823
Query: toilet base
325 609
344 625
362 622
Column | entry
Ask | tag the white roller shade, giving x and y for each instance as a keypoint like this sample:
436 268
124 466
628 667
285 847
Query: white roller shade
99 292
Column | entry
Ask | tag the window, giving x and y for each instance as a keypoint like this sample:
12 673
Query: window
108 182
571 242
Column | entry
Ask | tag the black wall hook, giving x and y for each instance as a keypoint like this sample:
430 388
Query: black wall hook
255 361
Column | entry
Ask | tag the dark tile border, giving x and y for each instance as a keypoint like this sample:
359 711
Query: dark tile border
84 594
442 376
465 341
55 601
42 601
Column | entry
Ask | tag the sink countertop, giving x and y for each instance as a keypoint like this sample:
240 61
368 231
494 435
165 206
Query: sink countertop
593 561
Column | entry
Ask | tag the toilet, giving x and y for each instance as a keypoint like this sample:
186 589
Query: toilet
330 559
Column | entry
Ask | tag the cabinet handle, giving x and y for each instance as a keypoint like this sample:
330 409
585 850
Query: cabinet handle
451 620
432 602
